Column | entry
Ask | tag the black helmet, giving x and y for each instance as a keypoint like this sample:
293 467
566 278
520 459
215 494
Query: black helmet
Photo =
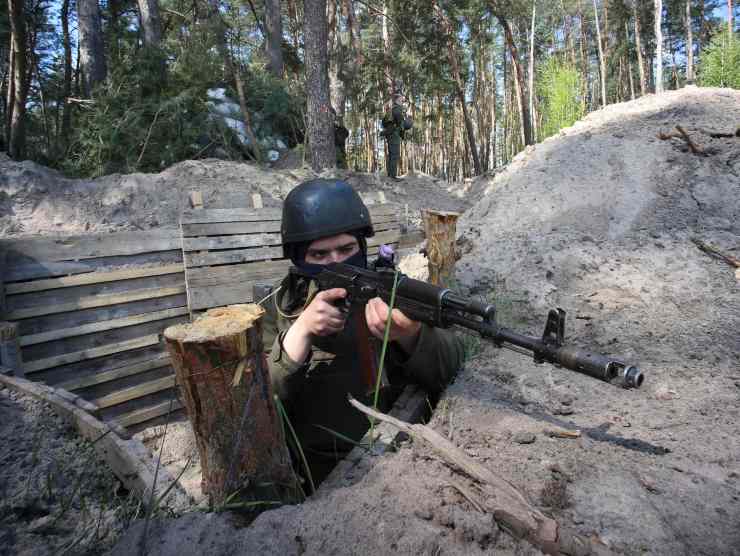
321 208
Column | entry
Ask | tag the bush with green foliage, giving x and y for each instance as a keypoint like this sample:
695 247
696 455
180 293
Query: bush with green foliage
559 87
720 62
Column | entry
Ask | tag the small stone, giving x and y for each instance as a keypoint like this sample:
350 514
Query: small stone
426 515
524 438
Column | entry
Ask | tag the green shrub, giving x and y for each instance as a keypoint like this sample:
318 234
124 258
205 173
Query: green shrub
559 87
720 62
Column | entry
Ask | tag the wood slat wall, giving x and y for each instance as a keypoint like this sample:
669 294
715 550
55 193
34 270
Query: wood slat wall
228 251
90 311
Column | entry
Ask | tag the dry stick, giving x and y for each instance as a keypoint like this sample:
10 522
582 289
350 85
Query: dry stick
508 506
696 149
711 250
148 134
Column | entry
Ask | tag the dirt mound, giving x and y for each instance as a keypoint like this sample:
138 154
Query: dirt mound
37 200
57 496
598 220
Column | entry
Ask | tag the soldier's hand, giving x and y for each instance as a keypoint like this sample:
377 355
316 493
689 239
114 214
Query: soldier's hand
321 318
403 330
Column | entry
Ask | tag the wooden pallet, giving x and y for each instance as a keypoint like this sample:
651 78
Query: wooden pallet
90 310
227 251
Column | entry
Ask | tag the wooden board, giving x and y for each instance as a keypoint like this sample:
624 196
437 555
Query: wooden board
93 278
32 271
134 392
94 301
41 364
232 256
230 215
147 413
75 248
230 242
161 360
100 326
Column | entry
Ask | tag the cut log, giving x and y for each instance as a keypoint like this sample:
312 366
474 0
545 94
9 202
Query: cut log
225 385
440 232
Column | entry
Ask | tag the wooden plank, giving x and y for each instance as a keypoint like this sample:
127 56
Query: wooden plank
390 236
93 278
259 215
95 301
232 256
32 271
101 326
219 275
145 414
208 297
49 362
3 266
230 215
272 226
162 360
196 199
230 242
226 228
73 248
134 392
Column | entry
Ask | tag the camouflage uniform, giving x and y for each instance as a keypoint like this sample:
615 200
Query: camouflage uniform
395 125
315 391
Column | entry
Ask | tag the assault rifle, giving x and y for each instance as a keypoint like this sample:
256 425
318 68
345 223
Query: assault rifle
440 307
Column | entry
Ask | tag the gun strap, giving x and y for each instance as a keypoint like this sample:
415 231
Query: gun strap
366 352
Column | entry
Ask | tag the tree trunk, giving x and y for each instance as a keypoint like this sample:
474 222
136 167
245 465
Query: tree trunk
225 385
658 46
602 62
92 49
459 85
17 104
638 47
320 121
531 70
629 62
274 30
67 80
150 23
519 78
439 228
390 85
730 18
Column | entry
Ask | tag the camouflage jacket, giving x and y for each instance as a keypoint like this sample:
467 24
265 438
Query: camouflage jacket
315 391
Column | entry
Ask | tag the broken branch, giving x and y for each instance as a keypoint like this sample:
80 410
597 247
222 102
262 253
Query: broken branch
508 506
713 251
696 149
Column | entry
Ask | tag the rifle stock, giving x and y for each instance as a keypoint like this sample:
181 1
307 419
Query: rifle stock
441 308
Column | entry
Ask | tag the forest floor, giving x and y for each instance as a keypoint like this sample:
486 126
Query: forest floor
598 220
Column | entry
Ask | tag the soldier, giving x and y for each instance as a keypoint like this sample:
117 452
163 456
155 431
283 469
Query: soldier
395 124
320 352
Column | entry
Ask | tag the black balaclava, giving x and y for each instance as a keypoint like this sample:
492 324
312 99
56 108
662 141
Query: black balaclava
358 259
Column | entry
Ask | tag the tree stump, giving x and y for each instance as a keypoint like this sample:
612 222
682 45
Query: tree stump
440 228
225 385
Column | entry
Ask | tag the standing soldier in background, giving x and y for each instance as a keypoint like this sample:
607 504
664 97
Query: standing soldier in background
395 124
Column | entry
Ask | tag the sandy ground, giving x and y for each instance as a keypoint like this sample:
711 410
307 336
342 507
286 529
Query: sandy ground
598 220
56 495
36 200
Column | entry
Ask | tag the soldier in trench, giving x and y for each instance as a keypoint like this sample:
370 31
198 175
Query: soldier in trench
395 125
320 352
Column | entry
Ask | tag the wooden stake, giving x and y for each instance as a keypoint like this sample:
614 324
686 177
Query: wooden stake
10 349
224 381
440 232
505 502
